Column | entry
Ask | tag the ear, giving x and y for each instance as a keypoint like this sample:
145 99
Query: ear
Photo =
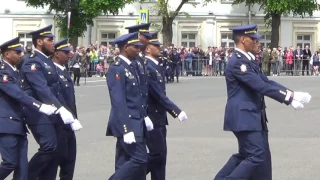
40 42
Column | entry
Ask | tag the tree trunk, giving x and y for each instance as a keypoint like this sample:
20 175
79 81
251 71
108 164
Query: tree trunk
167 31
276 21
73 39
74 42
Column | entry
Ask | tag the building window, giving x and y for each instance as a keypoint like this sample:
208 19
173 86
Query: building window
265 40
107 38
226 40
303 41
25 38
188 40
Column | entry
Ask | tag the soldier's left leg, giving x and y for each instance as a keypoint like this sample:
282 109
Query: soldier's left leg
264 171
68 164
157 157
9 150
21 172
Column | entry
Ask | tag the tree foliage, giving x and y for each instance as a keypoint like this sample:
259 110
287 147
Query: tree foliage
280 7
82 12
168 14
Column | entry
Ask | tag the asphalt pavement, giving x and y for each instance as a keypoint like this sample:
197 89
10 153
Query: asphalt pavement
198 147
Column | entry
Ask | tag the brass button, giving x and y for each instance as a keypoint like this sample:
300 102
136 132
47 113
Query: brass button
129 116
49 72
10 117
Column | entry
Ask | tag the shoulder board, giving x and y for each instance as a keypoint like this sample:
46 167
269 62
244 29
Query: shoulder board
238 55
3 66
32 55
117 63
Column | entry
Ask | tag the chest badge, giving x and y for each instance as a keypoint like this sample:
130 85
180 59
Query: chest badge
33 67
5 78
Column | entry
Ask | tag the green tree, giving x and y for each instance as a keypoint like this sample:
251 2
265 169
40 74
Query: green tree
163 9
274 9
82 13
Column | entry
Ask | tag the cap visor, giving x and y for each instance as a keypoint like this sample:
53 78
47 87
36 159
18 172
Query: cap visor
65 49
147 34
18 49
49 35
155 43
255 36
137 44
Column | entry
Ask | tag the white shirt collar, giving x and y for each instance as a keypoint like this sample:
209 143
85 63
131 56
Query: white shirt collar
59 66
41 53
252 56
153 60
125 59
14 68
244 53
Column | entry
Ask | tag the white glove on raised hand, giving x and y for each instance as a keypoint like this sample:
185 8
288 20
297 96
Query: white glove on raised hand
129 138
297 105
65 115
302 97
47 109
148 123
183 116
76 126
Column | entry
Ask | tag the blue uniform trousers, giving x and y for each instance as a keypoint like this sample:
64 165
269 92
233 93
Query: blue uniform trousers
45 135
252 162
157 158
65 158
14 153
131 160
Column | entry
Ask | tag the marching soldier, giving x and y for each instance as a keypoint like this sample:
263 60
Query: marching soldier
245 113
13 138
139 63
176 64
158 106
67 138
126 120
41 81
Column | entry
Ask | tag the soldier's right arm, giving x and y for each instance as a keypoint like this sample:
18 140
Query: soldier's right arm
116 80
38 83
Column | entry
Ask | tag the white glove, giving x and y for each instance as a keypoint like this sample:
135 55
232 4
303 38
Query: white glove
65 115
76 126
47 109
302 97
129 138
183 116
297 105
148 123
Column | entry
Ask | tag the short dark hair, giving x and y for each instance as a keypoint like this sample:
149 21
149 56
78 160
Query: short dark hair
34 40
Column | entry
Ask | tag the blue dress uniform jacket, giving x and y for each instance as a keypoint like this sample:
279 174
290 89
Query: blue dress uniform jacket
127 109
41 81
143 77
11 99
244 108
158 103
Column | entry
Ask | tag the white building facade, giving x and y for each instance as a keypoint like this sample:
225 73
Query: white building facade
207 25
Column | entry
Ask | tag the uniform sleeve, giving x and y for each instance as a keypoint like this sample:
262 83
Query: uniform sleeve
8 86
245 74
158 93
38 83
117 90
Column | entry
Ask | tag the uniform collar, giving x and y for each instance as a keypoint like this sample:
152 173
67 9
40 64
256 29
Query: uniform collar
41 53
244 53
125 59
59 66
153 60
252 56
13 68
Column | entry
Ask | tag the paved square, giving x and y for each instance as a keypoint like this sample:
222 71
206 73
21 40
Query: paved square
199 147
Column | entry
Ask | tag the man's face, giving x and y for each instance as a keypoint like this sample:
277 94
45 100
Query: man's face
13 57
63 56
154 50
249 43
132 51
144 40
47 45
